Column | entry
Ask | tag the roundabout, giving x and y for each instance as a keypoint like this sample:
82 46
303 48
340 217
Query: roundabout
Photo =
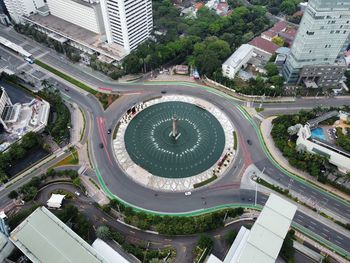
173 143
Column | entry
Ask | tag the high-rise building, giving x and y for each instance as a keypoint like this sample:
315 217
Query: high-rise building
85 14
18 8
127 22
316 56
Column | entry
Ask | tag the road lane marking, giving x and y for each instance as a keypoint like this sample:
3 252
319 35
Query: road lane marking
325 229
312 227
339 237
313 223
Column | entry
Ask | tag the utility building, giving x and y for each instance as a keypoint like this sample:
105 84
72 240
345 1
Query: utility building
316 57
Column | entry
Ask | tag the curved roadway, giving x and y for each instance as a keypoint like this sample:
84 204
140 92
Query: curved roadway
223 191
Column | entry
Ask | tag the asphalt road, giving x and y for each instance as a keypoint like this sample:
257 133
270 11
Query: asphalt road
222 191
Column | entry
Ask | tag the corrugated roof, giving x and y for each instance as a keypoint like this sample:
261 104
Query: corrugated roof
267 235
235 59
42 237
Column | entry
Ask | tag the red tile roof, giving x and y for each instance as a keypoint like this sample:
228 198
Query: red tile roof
279 26
198 5
269 33
264 44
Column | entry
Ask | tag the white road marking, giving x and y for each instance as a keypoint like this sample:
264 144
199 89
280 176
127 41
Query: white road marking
339 237
313 223
325 229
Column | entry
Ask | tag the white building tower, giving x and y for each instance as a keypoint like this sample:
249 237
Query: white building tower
127 22
316 54
18 8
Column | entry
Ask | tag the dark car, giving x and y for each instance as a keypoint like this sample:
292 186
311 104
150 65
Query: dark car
163 92
249 142
101 145
66 89
109 131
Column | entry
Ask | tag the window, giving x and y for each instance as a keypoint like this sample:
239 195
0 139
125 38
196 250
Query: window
337 32
310 33
332 31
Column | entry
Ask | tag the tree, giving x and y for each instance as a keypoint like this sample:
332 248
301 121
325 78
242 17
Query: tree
278 41
205 242
288 7
230 237
287 250
271 69
103 232
13 194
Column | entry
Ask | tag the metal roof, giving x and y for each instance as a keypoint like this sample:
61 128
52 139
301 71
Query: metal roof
238 56
42 237
264 241
266 236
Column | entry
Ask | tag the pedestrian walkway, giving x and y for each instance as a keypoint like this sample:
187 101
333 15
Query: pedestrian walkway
265 128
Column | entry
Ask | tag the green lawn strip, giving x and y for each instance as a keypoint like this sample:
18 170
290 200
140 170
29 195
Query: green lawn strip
66 77
209 180
234 140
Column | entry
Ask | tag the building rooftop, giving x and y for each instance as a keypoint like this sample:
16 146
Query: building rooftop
264 45
235 59
78 34
279 26
263 242
42 237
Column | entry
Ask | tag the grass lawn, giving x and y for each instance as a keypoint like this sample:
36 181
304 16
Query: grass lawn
71 159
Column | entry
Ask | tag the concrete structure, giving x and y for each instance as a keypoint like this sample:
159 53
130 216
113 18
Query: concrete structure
107 252
81 13
19 119
6 247
42 237
263 242
19 8
4 228
5 105
14 47
324 75
321 39
76 36
237 60
55 201
336 156
127 22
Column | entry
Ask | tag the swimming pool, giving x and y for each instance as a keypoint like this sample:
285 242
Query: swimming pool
318 133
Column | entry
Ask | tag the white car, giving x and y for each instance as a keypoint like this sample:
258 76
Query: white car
188 193
77 193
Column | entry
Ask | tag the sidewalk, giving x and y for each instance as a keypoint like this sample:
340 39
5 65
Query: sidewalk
265 128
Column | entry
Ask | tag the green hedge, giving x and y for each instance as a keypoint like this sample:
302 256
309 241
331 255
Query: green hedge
234 140
209 180
66 77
